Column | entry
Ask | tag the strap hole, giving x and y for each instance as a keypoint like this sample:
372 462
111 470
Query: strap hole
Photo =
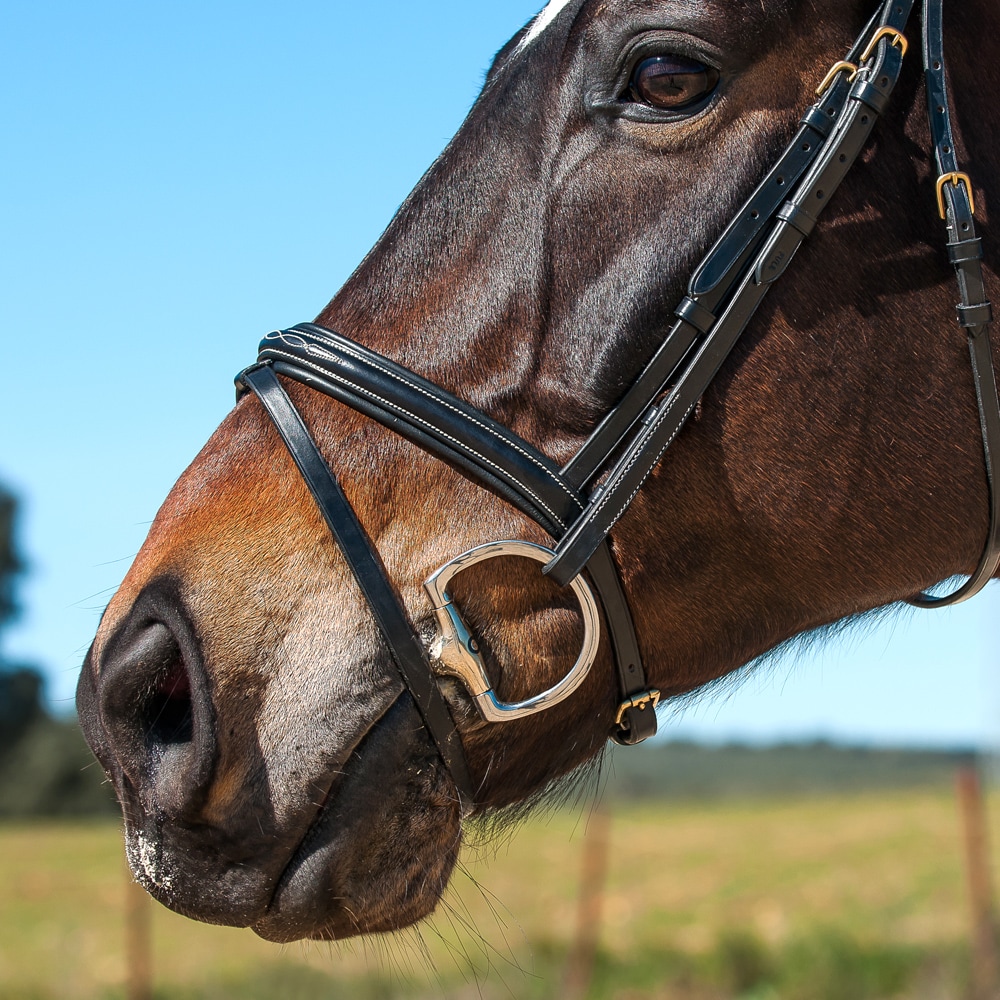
940 109
843 157
832 112
820 193
780 181
755 214
806 147
864 119
937 63
946 149
884 82
965 227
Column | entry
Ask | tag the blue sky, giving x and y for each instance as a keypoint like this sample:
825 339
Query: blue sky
180 178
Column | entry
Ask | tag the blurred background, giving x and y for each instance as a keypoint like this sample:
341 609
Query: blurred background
178 181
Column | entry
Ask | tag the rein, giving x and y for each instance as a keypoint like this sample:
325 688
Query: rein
723 294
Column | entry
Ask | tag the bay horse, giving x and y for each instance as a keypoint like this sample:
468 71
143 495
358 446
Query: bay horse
275 768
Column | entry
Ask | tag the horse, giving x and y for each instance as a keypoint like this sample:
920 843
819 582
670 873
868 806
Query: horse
275 768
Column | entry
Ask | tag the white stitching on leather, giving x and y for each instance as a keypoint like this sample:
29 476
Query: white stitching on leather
635 458
283 335
489 430
361 390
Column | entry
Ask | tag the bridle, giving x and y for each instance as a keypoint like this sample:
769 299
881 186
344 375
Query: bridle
579 504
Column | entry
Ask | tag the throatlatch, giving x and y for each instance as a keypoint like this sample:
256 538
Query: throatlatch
723 294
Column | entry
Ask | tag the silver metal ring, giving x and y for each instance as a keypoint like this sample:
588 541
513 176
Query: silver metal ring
455 652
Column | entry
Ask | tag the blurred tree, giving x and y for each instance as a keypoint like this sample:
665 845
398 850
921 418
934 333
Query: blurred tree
10 565
45 766
20 704
20 689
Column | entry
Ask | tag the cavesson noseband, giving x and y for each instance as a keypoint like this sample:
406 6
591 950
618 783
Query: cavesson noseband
579 504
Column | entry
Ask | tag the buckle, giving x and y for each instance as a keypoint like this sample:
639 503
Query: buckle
956 178
898 39
837 68
640 701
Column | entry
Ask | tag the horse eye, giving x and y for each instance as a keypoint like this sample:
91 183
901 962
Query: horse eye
671 82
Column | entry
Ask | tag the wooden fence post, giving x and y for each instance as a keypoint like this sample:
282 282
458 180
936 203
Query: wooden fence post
985 964
580 964
138 941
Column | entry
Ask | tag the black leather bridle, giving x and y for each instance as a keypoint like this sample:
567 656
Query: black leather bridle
579 504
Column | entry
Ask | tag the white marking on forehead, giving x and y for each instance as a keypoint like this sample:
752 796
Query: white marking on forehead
541 22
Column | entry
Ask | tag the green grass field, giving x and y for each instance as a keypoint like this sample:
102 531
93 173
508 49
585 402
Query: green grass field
840 897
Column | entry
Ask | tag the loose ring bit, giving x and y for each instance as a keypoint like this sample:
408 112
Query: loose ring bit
455 653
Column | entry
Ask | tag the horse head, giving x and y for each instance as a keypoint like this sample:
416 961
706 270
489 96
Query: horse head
271 764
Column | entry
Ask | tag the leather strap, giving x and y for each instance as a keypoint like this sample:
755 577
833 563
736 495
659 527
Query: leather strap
698 364
428 415
715 277
965 250
636 719
387 608
709 285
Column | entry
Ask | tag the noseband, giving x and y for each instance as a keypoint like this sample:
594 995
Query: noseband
723 295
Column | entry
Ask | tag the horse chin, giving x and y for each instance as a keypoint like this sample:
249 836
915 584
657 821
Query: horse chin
381 851
331 817
377 856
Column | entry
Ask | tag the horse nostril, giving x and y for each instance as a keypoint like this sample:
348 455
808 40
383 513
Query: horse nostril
155 708
168 713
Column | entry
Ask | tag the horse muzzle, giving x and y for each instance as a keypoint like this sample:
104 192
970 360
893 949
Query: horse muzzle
213 828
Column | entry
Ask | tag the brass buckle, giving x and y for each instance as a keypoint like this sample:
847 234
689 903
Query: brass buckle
455 652
898 39
956 178
837 68
640 701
